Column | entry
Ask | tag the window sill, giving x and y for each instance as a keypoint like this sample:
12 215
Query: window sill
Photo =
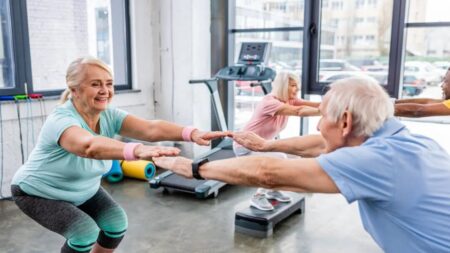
56 97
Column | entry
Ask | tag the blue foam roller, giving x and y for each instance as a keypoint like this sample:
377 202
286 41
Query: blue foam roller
115 174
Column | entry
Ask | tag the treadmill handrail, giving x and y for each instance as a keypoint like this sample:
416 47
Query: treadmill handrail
202 80
266 86
212 84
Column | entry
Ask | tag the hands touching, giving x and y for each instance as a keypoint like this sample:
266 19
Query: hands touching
143 152
247 139
304 111
179 165
183 166
203 138
251 141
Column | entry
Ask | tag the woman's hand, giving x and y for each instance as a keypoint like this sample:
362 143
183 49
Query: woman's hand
203 138
179 165
143 152
251 141
304 111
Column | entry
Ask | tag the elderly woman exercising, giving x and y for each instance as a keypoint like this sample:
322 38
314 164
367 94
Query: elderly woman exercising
59 185
269 119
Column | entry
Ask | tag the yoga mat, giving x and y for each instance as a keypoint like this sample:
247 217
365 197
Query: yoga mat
138 169
115 174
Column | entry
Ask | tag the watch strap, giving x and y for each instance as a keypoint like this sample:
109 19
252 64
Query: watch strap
196 166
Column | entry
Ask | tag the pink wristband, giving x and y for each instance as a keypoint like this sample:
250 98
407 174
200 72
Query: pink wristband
186 133
128 150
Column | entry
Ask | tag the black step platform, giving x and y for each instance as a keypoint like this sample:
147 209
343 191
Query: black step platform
257 223
202 189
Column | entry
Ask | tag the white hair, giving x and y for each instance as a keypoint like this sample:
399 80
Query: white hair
280 86
364 98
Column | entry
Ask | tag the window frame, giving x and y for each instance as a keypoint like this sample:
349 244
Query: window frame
22 55
232 32
314 86
396 53
311 43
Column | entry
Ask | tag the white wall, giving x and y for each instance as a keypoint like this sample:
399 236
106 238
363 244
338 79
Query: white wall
180 40
170 45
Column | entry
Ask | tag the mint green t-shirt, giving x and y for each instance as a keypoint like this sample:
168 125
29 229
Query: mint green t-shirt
53 173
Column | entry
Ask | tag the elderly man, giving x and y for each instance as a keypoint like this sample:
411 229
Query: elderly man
401 181
424 107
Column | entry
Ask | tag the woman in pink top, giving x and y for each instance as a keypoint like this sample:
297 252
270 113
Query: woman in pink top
270 117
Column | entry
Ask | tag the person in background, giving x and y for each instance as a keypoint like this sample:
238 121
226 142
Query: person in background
59 185
269 119
400 180
425 107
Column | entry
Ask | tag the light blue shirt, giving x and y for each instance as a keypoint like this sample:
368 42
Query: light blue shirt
402 184
53 173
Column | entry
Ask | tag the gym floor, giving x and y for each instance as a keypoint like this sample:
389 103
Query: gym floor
178 222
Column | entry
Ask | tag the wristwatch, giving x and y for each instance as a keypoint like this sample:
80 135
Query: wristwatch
196 165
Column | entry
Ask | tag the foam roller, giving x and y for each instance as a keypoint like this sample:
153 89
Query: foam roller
138 169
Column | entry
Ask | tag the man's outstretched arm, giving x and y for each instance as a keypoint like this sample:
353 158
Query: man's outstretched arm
421 110
300 175
418 101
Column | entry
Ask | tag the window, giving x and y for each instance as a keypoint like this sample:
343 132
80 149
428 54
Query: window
279 23
57 32
403 44
359 3
334 22
371 20
337 5
370 38
357 39
426 54
360 54
372 2
359 20
6 54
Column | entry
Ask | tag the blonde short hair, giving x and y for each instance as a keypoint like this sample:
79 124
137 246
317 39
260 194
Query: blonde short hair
364 98
76 72
281 84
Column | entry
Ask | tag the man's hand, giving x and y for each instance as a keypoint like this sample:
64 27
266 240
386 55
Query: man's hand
251 141
203 138
179 165
143 152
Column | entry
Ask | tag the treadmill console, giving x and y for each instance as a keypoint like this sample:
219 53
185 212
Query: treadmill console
254 53
252 60
246 73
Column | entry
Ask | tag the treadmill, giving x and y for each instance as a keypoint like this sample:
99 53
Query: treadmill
250 67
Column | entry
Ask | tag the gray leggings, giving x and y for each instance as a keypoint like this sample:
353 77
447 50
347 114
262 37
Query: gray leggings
100 219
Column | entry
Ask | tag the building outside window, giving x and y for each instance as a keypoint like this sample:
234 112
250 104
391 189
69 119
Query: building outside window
286 53
426 54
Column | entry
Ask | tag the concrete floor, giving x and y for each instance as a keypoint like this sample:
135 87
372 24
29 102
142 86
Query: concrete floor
177 222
